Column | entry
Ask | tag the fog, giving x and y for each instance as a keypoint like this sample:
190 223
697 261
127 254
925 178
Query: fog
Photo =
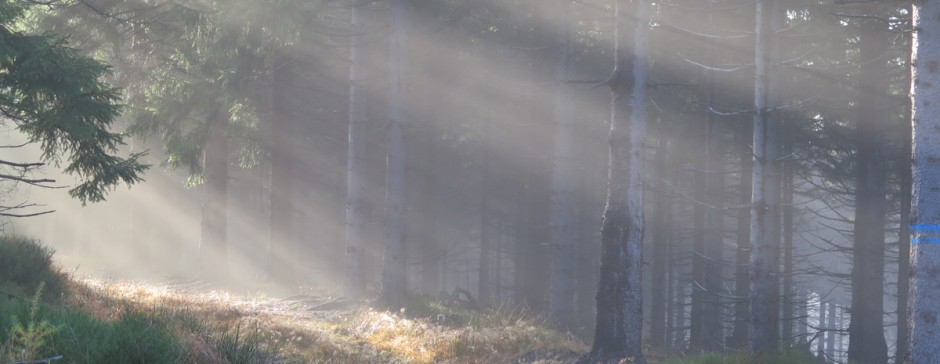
479 134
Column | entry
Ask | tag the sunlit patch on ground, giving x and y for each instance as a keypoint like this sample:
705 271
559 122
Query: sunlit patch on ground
322 329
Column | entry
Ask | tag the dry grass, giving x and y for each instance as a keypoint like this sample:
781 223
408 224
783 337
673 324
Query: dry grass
296 331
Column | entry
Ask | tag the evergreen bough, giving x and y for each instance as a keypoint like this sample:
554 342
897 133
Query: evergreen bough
56 97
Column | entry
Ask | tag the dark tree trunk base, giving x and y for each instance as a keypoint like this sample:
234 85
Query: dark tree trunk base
600 357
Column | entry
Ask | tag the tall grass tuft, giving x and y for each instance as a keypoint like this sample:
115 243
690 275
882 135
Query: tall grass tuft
243 346
24 264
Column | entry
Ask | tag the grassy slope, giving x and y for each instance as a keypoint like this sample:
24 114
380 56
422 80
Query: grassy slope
88 321
307 329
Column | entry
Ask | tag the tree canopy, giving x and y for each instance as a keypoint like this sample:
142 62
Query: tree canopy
58 99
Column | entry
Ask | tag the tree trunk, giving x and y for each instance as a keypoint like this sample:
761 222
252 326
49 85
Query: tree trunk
787 317
866 332
765 207
831 334
902 341
355 285
925 211
561 299
484 282
619 325
432 253
706 330
213 245
588 253
821 331
661 239
743 238
699 259
712 330
283 248
394 287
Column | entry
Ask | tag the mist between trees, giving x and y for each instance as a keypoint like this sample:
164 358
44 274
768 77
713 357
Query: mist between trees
682 176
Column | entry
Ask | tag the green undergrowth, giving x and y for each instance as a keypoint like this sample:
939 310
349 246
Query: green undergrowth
45 315
24 265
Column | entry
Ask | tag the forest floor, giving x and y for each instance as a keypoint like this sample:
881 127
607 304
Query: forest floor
311 329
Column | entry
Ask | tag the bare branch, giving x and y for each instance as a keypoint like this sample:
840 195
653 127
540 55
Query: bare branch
22 165
720 69
706 35
27 215
14 146
39 182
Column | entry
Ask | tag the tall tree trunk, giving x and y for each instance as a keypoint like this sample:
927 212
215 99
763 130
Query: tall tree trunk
706 330
355 284
432 255
213 250
484 281
142 224
821 331
831 334
743 239
394 287
904 248
588 253
787 317
765 207
866 332
561 299
619 325
662 206
283 248
675 311
925 211
712 330
699 258
532 259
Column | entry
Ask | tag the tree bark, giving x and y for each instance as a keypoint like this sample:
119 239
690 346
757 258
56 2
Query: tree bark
765 207
786 316
902 340
561 296
662 206
484 282
706 329
866 332
213 241
283 247
831 334
619 325
743 238
394 287
925 211
821 331
355 279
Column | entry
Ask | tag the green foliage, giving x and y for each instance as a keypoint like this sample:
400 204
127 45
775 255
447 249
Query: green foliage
25 264
206 72
58 99
32 330
26 339
135 337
